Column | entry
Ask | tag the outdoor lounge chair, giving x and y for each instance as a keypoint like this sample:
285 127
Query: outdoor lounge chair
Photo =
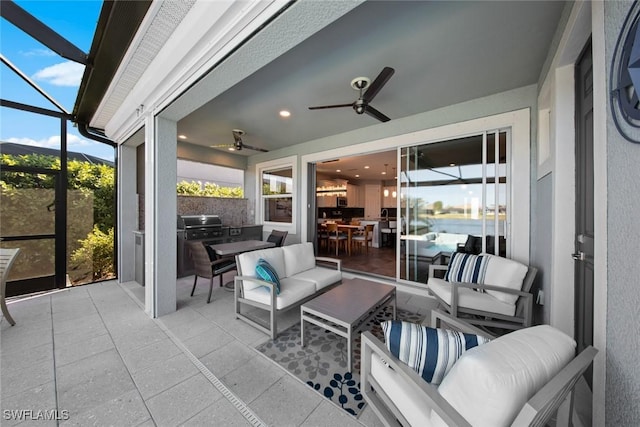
502 299
523 378
7 257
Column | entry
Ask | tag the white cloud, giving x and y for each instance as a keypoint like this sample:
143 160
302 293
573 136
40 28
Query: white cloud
38 52
63 74
53 141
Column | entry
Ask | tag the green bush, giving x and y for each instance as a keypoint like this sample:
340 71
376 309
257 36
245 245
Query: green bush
97 251
194 188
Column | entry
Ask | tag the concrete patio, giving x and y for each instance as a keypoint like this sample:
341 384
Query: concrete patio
91 356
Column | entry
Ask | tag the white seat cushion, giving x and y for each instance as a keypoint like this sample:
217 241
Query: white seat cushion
298 258
469 298
247 262
405 395
321 276
291 292
490 383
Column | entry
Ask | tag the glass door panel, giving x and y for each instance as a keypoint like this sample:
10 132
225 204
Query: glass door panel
453 198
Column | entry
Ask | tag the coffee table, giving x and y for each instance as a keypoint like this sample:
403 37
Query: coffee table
346 307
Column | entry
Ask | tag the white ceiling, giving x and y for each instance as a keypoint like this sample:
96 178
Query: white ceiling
443 53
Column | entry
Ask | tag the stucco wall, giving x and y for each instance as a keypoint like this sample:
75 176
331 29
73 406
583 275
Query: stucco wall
623 270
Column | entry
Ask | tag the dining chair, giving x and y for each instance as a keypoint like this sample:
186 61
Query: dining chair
335 237
389 233
208 264
365 238
277 237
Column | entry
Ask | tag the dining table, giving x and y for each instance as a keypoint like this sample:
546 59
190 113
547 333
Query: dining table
349 229
235 248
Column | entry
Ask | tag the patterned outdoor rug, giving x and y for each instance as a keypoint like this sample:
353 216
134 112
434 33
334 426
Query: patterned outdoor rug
322 363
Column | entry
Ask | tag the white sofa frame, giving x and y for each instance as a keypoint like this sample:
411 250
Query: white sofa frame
556 396
272 328
524 305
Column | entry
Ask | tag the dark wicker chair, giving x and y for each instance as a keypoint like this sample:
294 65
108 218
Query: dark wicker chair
208 264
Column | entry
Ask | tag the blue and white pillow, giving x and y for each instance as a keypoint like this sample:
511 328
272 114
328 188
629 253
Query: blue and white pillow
467 268
428 351
265 271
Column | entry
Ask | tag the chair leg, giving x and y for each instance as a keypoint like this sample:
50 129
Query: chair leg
5 312
195 280
210 290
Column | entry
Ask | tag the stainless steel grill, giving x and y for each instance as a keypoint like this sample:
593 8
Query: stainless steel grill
204 228
200 227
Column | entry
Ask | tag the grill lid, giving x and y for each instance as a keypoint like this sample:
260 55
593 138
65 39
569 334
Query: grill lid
186 222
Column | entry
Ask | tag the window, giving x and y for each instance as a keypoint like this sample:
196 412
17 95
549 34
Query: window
277 192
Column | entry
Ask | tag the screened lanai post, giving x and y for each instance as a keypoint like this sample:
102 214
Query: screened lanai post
312 222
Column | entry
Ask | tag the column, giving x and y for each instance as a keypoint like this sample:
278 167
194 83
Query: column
160 215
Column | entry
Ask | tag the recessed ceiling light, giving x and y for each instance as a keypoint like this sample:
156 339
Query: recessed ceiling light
452 164
338 170
383 173
357 176
285 113
182 136
366 167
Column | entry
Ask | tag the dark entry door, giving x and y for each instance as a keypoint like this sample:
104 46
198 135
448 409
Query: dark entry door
33 219
584 203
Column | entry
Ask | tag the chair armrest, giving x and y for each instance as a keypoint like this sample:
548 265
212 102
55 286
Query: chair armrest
439 316
270 285
492 288
429 393
337 262
434 267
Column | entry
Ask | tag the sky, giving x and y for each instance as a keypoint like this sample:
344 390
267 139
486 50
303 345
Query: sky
60 78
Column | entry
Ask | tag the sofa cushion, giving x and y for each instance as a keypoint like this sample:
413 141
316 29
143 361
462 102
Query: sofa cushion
265 271
490 383
468 298
298 258
247 262
506 273
321 276
291 292
467 268
428 351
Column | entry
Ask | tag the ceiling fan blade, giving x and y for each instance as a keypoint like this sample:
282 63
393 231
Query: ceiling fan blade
378 83
248 147
320 107
375 113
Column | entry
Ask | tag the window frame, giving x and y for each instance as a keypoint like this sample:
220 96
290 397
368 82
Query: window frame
274 165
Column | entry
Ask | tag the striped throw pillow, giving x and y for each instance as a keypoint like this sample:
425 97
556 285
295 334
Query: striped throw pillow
265 271
428 351
467 268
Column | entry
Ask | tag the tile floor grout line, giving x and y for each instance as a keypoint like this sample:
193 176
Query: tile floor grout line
53 355
238 403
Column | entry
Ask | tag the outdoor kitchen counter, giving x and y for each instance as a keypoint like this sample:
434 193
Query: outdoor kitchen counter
237 233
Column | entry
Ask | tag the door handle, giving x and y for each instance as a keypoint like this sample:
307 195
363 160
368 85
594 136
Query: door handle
578 256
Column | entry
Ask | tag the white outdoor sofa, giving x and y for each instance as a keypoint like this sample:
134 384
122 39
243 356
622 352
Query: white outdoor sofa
519 379
300 275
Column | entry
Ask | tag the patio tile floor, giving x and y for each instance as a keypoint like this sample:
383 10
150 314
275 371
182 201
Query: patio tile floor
92 354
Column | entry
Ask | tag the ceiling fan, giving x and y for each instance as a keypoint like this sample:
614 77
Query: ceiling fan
361 105
238 145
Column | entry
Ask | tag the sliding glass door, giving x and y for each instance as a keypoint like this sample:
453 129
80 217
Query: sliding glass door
453 197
